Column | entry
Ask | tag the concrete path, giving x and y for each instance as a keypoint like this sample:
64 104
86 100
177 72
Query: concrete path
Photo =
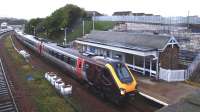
169 93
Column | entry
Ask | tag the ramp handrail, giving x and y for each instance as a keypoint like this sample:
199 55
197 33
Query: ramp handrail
193 66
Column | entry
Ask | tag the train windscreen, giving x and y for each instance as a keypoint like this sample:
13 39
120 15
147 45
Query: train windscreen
122 72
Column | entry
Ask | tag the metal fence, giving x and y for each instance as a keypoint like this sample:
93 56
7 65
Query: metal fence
193 66
151 19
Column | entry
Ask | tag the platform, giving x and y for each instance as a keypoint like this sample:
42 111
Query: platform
165 92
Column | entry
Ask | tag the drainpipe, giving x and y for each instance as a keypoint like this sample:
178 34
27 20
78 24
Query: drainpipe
157 68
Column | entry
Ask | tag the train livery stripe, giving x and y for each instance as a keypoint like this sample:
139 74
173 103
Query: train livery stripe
127 87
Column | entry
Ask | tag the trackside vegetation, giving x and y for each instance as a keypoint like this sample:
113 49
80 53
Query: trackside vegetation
69 17
42 93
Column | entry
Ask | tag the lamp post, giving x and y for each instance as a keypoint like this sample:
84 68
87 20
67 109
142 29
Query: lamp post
93 19
45 29
34 32
65 39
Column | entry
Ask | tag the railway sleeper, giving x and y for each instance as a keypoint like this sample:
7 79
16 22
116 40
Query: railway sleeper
8 109
2 87
2 81
5 103
3 93
6 106
5 99
3 90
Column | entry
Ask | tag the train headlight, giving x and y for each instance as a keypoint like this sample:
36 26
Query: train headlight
122 91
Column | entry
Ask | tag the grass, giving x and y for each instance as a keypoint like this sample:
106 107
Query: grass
78 30
43 94
192 83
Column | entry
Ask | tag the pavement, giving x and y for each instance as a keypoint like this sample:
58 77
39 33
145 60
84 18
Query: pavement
166 92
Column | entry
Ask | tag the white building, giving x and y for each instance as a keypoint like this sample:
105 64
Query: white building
148 54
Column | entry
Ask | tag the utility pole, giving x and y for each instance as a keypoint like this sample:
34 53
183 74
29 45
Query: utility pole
83 27
65 39
34 32
93 19
188 19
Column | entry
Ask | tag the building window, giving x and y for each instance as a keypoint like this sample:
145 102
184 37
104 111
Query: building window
107 54
92 49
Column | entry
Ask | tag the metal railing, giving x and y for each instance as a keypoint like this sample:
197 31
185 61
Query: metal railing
151 19
193 66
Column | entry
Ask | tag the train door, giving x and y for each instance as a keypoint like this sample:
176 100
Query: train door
83 72
108 84
79 67
39 48
90 72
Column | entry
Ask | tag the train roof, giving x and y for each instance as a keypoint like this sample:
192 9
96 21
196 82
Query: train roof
104 59
90 57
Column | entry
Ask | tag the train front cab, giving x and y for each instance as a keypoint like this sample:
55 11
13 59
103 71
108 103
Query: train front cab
109 82
124 79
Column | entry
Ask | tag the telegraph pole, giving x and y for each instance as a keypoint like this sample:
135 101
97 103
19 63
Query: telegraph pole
83 27
65 39
93 19
188 20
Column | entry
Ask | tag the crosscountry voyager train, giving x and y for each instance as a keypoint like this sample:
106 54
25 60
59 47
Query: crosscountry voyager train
111 78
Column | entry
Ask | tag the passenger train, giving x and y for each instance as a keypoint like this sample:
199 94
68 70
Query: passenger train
111 78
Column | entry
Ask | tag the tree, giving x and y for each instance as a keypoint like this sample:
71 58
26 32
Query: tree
66 16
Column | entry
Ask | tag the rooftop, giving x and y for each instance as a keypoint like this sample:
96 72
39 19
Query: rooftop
122 13
133 41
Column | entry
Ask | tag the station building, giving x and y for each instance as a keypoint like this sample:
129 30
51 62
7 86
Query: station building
147 54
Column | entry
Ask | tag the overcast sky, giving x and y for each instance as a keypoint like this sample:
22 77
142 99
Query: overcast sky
41 8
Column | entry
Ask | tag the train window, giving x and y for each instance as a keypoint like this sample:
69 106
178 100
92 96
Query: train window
68 60
123 73
59 56
55 54
52 53
62 57
65 59
85 66
73 62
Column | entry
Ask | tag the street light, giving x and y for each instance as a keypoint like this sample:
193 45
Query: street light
34 30
46 32
65 39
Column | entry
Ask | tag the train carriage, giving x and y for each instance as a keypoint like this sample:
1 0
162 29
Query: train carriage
111 78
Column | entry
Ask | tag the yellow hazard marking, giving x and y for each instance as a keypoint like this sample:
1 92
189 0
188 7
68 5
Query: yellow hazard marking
127 87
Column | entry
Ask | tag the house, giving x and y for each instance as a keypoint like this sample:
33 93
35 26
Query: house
149 54
89 14
142 14
122 13
4 25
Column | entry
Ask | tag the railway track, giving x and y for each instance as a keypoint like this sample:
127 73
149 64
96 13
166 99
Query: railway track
141 104
7 102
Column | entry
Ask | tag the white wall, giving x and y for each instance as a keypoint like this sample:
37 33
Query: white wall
172 75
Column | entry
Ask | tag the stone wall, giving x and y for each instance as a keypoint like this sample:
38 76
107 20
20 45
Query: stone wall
169 57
